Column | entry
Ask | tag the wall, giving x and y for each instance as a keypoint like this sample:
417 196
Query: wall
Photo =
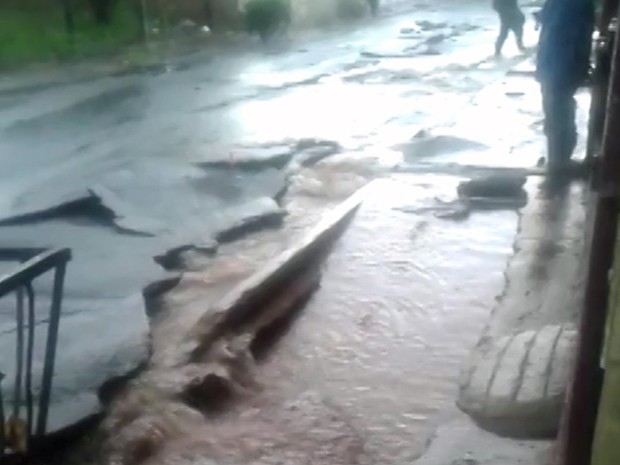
606 450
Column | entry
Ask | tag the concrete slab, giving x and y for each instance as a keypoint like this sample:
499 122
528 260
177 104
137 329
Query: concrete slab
516 392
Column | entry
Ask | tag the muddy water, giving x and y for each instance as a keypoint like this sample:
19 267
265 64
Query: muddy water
368 369
371 363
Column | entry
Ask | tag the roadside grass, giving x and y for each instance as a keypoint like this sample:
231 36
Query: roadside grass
40 36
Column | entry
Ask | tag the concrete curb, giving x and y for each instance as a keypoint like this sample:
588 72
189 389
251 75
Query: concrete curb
244 303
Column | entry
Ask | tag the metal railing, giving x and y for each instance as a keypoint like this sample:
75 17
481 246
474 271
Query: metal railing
17 430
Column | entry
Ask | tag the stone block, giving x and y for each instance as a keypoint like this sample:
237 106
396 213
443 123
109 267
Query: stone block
517 385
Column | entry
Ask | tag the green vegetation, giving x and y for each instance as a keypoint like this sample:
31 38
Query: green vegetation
29 34
267 17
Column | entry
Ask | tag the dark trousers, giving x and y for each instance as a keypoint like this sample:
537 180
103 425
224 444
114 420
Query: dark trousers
559 107
510 21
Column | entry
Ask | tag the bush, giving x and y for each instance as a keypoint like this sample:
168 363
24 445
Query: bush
267 17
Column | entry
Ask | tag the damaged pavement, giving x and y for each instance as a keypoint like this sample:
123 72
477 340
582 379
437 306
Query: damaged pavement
177 215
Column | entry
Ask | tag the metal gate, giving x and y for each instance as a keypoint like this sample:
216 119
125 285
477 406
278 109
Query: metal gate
19 424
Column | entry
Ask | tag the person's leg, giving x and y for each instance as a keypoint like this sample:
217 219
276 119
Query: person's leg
503 35
517 29
560 127
554 127
570 124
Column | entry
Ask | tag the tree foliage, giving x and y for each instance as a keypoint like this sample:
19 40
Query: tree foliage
267 17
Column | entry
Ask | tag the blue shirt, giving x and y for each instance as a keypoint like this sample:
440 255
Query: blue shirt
565 41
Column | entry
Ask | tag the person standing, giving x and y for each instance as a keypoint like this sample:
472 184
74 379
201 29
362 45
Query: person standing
511 19
562 66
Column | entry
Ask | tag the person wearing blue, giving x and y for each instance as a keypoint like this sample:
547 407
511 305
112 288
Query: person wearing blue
563 64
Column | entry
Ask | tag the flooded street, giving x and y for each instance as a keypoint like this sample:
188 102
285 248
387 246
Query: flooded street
367 371
403 299
211 170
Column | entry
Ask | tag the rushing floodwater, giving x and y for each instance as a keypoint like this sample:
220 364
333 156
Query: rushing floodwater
403 299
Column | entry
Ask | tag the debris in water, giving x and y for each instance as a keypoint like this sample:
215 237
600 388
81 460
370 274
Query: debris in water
493 186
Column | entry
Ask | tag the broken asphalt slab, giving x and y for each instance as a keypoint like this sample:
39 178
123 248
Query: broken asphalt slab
253 158
104 330
172 259
304 152
425 145
430 36
122 199
264 213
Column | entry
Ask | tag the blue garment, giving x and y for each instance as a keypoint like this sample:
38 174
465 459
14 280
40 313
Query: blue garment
565 42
